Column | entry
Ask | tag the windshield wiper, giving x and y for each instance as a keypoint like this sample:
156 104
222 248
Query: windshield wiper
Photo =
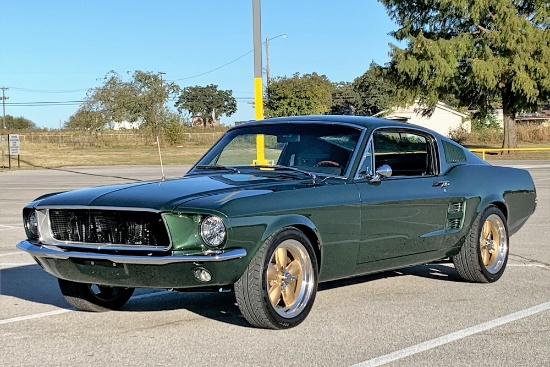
286 168
218 167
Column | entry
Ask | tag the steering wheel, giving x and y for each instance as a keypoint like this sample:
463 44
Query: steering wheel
327 164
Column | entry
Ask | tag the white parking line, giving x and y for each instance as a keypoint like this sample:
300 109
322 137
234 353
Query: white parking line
65 310
34 316
536 265
12 253
449 338
9 226
524 166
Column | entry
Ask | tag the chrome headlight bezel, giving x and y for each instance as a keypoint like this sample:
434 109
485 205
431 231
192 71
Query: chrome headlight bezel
213 232
32 226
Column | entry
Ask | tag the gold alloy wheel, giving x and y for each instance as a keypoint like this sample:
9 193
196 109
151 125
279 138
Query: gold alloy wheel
493 244
290 278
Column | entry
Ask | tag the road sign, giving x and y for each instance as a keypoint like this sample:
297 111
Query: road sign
14 143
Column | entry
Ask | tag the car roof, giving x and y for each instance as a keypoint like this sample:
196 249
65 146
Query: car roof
359 121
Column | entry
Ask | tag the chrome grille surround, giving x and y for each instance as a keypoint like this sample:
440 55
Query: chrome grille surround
104 228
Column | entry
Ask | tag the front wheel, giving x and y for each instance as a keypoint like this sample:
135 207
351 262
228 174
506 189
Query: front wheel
484 255
278 288
93 297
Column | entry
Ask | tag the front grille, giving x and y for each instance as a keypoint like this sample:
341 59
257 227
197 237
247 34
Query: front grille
108 227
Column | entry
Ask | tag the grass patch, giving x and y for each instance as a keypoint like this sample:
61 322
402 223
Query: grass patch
50 156
47 150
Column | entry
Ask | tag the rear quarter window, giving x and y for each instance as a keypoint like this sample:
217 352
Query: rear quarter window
453 153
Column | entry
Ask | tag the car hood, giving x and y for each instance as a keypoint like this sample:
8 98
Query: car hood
168 194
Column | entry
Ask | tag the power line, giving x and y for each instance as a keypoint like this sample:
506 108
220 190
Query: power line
218 68
48 91
84 90
4 89
43 104
76 103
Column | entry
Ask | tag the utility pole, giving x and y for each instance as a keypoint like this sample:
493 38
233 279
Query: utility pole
161 73
158 108
267 61
4 89
258 85
267 71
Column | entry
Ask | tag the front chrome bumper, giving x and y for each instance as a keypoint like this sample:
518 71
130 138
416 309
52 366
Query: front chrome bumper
54 252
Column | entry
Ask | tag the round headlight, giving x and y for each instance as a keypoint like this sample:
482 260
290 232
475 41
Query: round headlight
213 231
32 224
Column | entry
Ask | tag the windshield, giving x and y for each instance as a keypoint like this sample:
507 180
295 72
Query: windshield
316 148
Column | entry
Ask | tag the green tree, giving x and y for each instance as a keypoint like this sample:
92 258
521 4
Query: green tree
344 99
309 94
481 51
375 90
86 120
208 103
142 99
19 123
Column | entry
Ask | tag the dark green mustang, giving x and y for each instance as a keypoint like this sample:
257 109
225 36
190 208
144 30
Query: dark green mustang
279 205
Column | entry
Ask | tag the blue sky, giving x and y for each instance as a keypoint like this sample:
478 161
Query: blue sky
54 51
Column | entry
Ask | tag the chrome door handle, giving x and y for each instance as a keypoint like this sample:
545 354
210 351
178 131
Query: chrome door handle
441 183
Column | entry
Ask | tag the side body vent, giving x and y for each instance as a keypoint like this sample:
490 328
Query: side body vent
455 215
456 207
454 224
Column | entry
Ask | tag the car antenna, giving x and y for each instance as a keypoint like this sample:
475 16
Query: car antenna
160 157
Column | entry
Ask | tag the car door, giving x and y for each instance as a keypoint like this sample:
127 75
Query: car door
404 214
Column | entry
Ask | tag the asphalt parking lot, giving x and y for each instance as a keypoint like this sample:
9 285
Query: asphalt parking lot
417 316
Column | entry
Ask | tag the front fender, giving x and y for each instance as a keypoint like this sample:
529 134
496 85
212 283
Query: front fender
290 220
251 233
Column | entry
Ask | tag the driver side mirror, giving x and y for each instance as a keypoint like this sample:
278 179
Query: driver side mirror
382 171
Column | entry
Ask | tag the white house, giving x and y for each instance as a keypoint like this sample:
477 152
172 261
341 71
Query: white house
443 119
126 125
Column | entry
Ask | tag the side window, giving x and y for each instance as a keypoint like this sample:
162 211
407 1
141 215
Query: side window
366 163
408 153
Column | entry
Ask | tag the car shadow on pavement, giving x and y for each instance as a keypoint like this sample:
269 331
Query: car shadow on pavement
31 283
218 306
438 271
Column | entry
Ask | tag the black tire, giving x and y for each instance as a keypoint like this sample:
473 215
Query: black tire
93 297
278 288
484 254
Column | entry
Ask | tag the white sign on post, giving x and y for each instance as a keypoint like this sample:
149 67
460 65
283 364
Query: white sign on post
14 144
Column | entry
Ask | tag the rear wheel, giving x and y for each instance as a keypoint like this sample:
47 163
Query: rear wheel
93 297
484 255
278 288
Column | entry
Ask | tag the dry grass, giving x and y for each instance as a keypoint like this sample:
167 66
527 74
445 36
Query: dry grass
51 156
53 151
527 134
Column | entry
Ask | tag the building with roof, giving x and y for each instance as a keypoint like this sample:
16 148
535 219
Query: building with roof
443 119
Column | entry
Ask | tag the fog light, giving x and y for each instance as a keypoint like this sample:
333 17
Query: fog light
202 275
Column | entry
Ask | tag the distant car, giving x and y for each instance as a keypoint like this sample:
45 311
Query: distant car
279 205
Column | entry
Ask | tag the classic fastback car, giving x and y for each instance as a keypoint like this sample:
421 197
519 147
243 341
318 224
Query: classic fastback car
278 205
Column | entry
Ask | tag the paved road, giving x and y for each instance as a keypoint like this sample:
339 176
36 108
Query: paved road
418 316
